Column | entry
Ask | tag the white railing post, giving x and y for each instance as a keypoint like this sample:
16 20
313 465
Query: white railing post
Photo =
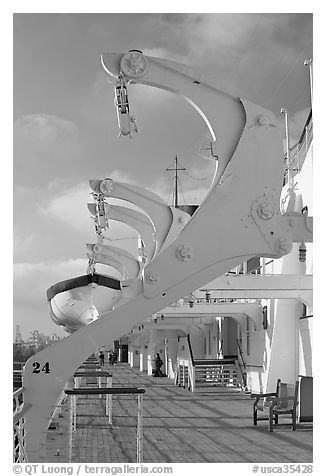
140 429
19 453
108 390
22 453
70 431
110 402
188 382
287 142
177 379
99 383
192 378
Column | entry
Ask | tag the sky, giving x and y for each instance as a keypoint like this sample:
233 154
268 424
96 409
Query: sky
65 127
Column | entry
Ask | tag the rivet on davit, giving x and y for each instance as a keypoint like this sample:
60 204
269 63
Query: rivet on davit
134 64
184 253
152 277
265 210
262 120
283 246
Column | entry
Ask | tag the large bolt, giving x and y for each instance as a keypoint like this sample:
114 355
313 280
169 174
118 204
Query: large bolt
152 277
184 253
134 64
107 186
262 120
283 246
265 210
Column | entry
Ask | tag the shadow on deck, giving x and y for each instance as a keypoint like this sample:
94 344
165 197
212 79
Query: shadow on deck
179 427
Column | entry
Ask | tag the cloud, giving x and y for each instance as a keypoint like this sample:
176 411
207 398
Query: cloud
193 184
225 35
42 131
70 206
23 243
98 105
201 35
44 143
31 280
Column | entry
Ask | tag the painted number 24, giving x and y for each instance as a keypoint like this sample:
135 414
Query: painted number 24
38 369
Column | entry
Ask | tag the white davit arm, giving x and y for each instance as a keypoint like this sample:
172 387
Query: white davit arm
239 218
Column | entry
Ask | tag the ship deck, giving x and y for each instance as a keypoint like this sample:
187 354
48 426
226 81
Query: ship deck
209 426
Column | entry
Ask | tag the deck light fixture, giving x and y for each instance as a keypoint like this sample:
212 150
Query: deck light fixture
208 295
302 252
308 62
265 321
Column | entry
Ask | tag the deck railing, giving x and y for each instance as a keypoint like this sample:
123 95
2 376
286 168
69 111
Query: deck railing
299 152
19 453
241 365
73 392
185 366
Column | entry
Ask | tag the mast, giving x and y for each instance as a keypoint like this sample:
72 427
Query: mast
176 178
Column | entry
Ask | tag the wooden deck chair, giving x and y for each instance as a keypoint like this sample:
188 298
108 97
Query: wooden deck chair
262 405
283 402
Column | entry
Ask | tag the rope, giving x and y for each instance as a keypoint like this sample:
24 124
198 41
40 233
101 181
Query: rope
288 74
170 191
245 50
184 200
119 239
197 178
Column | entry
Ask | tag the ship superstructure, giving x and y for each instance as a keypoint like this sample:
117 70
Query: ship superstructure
223 294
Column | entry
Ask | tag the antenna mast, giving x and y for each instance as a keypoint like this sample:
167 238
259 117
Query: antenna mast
176 178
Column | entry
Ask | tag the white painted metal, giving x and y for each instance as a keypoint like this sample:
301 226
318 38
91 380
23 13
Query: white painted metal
240 217
70 429
109 261
251 286
108 401
73 308
107 253
140 222
140 428
160 213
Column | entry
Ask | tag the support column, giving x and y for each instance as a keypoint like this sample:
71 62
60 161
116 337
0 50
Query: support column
131 355
143 351
284 361
172 347
142 358
151 351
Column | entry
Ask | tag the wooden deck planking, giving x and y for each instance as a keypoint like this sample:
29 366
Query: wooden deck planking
179 427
